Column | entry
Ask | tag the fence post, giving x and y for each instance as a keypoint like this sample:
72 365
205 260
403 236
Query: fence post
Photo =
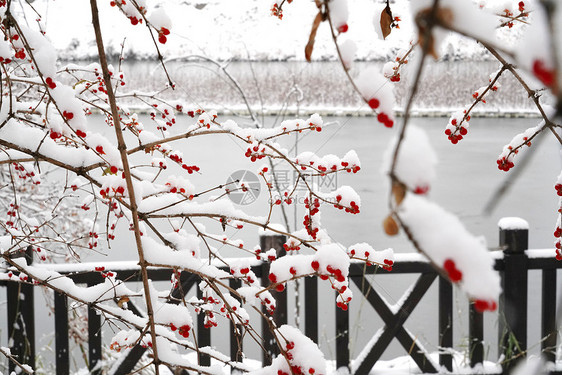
61 334
311 308
94 336
514 238
445 321
267 242
475 336
548 322
342 340
21 317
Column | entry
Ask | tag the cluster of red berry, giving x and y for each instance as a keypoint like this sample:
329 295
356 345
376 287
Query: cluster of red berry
12 213
308 222
388 264
504 164
343 305
276 11
254 153
183 330
166 115
382 117
210 320
24 174
352 209
292 244
40 253
268 301
20 54
273 278
455 132
296 369
484 305
455 275
162 35
335 272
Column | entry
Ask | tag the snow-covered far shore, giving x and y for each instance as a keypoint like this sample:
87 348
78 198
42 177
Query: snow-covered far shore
235 30
298 88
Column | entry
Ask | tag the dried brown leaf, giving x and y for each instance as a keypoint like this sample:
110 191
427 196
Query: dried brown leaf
443 17
122 301
386 21
310 45
390 226
399 192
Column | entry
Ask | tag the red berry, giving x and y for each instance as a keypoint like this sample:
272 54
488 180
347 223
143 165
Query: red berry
545 75
272 278
343 28
421 189
315 265
162 38
280 288
49 81
99 149
68 115
374 103
483 305
113 169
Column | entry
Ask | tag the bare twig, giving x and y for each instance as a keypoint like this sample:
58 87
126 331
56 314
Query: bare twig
130 188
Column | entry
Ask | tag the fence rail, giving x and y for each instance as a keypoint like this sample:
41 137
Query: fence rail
513 263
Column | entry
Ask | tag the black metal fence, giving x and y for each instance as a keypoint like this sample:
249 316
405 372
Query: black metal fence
513 266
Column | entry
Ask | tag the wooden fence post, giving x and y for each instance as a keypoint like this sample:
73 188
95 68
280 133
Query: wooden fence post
342 340
62 348
514 238
94 337
445 321
276 242
21 317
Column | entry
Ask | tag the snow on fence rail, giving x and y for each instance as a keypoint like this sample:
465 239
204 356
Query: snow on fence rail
513 263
